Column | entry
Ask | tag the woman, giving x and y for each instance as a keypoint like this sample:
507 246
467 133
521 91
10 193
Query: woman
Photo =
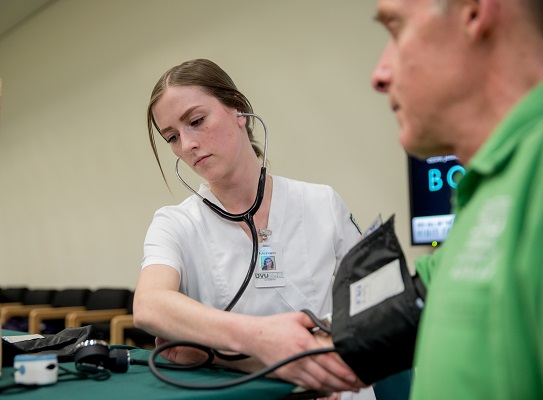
194 261
268 264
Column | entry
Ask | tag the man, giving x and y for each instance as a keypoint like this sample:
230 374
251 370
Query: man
464 77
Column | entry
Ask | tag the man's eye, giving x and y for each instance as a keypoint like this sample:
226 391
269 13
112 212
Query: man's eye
197 122
394 26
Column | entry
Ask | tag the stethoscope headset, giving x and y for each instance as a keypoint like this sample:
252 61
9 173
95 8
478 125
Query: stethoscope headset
95 357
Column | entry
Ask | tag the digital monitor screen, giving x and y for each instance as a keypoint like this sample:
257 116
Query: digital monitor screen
431 185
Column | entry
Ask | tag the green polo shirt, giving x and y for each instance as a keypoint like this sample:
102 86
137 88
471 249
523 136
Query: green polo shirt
481 334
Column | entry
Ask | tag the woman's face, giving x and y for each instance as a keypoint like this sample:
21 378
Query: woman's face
269 263
205 134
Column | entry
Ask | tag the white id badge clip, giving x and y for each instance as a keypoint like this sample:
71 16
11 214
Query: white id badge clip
269 271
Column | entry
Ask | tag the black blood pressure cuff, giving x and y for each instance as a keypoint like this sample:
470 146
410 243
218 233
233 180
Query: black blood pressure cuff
377 306
63 344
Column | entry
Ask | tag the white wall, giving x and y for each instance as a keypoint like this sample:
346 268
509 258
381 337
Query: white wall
78 180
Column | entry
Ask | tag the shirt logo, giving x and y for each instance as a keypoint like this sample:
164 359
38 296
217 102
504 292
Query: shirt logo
478 259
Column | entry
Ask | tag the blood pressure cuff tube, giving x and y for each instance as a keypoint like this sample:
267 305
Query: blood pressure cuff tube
376 307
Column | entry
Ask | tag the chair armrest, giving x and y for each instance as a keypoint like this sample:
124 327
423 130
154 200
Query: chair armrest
18 310
118 325
78 318
38 315
14 303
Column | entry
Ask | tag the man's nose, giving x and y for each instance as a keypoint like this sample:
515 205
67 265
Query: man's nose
379 81
382 74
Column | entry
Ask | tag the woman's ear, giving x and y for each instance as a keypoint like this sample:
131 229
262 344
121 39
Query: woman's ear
479 17
242 119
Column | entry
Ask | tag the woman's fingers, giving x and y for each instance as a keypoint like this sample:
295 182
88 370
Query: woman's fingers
336 366
310 373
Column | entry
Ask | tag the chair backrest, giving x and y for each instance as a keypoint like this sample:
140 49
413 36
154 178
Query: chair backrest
38 296
130 303
107 298
70 297
12 294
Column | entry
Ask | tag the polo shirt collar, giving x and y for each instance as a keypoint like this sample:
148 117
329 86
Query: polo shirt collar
509 133
499 147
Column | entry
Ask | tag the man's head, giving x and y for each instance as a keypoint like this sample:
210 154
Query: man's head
447 68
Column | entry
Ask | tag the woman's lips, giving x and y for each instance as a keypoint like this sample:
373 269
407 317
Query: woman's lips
200 159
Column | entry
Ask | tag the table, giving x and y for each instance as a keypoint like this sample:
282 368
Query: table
140 383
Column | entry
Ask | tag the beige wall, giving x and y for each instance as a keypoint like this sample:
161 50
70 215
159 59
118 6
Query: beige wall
78 180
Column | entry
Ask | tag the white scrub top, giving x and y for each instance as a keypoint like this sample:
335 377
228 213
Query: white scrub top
309 222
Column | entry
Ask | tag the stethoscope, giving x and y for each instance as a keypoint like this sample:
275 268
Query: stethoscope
246 216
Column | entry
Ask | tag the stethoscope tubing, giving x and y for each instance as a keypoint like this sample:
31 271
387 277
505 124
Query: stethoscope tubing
246 216
154 367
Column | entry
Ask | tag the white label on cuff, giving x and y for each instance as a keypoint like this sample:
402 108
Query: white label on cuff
22 338
376 287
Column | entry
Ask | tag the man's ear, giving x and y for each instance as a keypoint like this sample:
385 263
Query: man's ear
479 17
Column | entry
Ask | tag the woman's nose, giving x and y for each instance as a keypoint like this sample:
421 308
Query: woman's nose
188 143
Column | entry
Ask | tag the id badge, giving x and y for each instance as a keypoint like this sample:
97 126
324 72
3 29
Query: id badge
269 271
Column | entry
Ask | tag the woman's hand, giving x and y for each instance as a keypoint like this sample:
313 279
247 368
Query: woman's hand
181 354
280 336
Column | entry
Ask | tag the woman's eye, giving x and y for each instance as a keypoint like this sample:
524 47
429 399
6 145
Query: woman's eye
171 139
197 122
